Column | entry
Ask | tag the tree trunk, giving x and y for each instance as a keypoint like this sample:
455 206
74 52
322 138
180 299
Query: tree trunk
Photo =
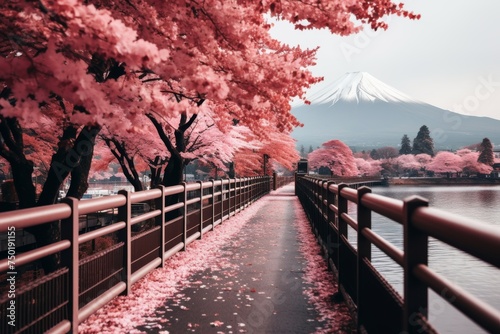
80 173
75 159
23 183
119 151
79 178
155 168
172 177
173 174
176 163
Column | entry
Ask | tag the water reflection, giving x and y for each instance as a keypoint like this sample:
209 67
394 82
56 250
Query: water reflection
488 197
482 280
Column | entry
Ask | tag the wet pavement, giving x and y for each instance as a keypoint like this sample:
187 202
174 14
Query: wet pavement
255 285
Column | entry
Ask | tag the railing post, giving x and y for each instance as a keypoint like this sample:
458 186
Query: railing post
258 182
124 214
243 193
246 183
252 189
221 200
213 204
324 212
240 202
229 197
415 253
296 179
342 206
317 209
331 243
251 184
266 183
247 191
236 195
184 217
160 220
259 187
342 230
201 208
364 254
70 259
275 181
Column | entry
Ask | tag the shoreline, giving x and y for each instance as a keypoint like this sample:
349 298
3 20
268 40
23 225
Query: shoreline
441 181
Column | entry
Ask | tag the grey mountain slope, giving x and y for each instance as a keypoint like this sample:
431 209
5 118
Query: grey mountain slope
371 124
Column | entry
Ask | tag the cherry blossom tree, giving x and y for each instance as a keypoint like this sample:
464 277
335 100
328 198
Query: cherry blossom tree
446 162
279 149
471 164
203 141
336 156
135 157
368 167
205 138
167 58
423 159
389 166
363 154
386 152
248 162
69 154
407 162
97 62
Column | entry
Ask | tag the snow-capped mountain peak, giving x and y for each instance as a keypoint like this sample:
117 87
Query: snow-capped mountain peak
359 86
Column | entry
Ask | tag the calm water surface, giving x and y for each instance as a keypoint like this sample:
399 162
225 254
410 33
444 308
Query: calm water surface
482 280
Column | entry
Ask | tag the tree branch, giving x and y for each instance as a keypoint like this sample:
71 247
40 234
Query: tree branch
163 135
184 126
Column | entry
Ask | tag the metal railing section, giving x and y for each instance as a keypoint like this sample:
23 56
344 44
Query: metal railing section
280 181
58 302
379 308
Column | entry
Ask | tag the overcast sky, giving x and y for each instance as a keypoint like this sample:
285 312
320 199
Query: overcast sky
449 58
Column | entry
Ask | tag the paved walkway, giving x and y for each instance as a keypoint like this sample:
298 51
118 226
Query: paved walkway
257 286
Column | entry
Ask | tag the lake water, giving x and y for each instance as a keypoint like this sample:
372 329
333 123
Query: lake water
480 279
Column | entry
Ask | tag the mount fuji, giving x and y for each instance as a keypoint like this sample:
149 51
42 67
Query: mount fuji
366 113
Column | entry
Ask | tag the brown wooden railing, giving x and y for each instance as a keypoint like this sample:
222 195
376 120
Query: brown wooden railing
379 308
280 181
58 302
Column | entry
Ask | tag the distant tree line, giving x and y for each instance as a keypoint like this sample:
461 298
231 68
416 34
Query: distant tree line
419 159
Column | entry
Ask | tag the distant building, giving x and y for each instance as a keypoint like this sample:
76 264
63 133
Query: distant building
496 166
496 170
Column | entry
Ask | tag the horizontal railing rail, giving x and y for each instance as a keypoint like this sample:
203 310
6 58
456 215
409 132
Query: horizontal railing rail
379 308
175 217
282 180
